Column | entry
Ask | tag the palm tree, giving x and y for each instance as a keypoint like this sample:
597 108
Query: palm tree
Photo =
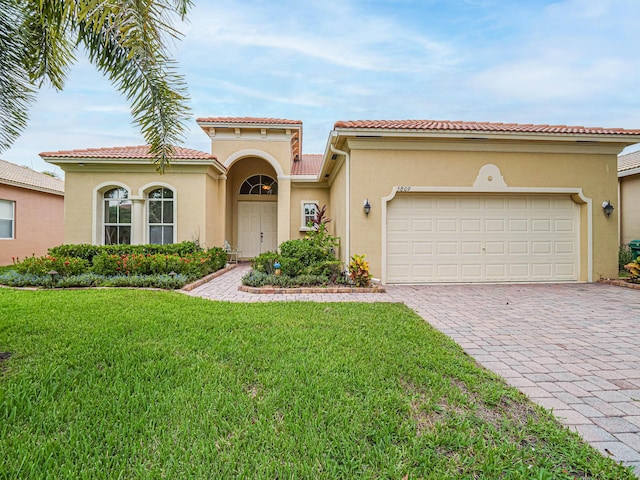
125 39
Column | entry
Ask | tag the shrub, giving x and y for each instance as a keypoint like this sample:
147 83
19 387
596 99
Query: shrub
87 251
43 265
192 265
300 256
625 256
359 271
14 279
634 270
264 262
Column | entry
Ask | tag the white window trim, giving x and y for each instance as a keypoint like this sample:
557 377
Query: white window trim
303 225
147 190
104 223
13 220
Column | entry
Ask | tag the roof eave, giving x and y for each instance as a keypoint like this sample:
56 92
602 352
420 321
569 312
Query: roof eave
622 139
131 161
31 187
631 171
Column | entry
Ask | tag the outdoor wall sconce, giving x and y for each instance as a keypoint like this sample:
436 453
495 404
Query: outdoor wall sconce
607 207
366 207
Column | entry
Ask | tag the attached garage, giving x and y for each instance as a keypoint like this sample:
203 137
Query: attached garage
482 238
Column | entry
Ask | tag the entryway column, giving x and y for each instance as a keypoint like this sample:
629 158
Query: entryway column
220 211
137 221
284 209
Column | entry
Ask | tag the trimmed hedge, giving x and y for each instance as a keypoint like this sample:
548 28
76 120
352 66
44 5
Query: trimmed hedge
87 251
83 265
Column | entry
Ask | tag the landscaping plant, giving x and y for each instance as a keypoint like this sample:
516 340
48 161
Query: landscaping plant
359 271
634 270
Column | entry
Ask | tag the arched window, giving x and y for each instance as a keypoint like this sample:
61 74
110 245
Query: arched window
259 185
117 217
160 217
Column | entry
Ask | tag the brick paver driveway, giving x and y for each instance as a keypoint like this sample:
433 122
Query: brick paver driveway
573 348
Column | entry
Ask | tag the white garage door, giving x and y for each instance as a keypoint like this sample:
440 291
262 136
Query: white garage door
482 238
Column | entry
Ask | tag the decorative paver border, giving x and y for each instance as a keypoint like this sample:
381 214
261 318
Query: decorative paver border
620 283
307 290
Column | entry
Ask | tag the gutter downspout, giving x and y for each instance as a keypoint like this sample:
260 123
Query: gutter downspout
347 234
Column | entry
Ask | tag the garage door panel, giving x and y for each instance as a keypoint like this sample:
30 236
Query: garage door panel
468 225
540 225
446 226
471 248
541 248
447 248
472 271
564 225
518 225
493 225
482 238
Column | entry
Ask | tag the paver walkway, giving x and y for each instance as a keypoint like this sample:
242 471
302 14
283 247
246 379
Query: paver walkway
573 348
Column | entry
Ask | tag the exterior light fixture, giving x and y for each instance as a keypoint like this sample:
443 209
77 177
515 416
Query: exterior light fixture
366 207
608 208
53 274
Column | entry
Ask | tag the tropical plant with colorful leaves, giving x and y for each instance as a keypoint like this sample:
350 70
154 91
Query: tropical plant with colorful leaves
359 271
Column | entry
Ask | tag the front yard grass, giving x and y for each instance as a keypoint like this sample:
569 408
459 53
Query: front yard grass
147 384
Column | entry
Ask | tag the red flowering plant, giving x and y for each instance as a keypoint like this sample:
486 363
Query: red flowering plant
43 265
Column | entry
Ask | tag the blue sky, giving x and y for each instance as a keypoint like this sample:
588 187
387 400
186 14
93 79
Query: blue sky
535 61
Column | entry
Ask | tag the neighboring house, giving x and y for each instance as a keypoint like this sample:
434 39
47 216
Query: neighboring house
629 200
31 212
449 201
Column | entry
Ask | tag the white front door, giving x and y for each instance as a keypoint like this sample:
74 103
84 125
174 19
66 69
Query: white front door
257 228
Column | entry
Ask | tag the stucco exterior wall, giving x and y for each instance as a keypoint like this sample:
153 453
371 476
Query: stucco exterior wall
337 209
86 185
38 223
274 148
629 208
375 171
305 192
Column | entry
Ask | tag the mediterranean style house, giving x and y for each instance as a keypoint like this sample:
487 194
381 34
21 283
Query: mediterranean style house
426 201
31 212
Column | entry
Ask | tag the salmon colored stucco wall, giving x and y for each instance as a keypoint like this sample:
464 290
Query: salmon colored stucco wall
196 192
629 208
375 171
39 223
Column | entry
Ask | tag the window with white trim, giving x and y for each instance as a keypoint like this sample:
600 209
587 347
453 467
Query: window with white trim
7 219
308 213
160 216
117 217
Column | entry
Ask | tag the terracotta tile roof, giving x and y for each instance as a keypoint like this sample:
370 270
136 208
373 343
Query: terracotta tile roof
13 174
140 151
440 125
134 152
309 164
250 120
629 161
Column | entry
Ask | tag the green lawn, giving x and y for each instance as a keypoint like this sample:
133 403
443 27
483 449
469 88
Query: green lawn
142 384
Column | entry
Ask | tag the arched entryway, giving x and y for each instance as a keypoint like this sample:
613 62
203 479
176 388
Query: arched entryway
252 206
